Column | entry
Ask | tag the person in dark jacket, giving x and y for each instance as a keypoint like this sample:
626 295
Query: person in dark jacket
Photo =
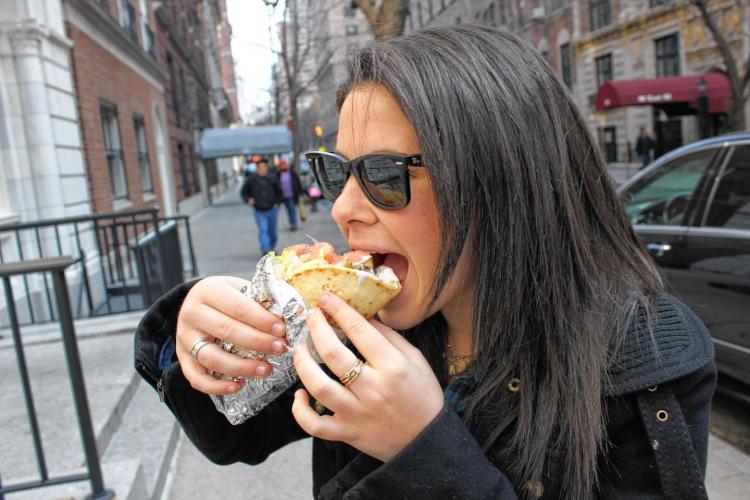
532 351
262 191
291 188
643 146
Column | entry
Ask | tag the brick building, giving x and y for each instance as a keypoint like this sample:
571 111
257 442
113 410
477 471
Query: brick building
187 96
120 90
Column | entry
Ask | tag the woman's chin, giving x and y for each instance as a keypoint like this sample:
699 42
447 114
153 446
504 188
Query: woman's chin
397 314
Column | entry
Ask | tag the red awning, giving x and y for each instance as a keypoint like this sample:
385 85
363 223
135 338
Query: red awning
666 90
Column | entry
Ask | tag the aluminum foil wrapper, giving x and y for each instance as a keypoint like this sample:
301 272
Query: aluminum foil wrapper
280 298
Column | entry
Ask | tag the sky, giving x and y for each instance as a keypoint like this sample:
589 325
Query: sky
251 51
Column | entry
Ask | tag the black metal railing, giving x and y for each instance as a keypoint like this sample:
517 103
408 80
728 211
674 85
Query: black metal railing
56 268
119 268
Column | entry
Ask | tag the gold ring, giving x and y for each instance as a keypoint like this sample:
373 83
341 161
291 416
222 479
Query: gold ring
197 346
352 373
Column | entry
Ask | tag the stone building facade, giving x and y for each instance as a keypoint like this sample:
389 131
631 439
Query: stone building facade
42 169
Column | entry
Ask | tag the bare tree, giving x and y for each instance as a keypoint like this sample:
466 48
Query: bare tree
387 19
297 46
733 65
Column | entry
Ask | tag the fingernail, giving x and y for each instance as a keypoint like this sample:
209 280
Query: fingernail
277 346
261 370
277 328
323 299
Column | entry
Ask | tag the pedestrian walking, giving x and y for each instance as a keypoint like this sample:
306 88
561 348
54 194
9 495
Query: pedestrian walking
291 189
532 351
643 146
261 191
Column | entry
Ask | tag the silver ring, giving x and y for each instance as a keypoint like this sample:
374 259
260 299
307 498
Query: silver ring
197 346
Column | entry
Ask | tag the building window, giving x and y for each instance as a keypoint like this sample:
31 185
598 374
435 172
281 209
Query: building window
113 149
419 14
429 9
603 69
144 165
565 67
600 14
349 11
608 140
351 30
501 11
186 187
657 3
667 56
128 18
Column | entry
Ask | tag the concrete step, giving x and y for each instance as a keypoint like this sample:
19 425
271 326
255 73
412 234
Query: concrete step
149 433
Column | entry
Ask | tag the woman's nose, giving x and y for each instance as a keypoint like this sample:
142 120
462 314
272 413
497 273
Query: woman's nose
352 205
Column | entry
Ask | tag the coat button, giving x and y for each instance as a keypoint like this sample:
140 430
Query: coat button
662 416
514 385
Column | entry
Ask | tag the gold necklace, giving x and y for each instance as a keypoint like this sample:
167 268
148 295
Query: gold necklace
457 364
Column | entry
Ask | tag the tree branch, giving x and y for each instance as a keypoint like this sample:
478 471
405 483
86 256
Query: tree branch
721 44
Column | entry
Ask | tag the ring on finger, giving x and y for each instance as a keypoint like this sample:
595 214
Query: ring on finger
352 373
197 346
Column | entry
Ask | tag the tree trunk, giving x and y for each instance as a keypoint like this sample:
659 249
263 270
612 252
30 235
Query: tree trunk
738 109
386 21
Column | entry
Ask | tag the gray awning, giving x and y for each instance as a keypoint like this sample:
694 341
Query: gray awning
223 142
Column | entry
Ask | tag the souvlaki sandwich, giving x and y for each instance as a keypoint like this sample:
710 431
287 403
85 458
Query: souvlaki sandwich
315 269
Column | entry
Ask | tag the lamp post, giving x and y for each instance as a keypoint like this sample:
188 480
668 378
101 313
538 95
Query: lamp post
273 105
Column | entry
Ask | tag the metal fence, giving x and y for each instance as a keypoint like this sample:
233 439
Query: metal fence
123 261
56 268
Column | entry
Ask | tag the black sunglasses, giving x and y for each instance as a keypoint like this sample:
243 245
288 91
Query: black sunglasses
384 177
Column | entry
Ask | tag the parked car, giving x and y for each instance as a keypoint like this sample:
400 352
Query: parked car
691 208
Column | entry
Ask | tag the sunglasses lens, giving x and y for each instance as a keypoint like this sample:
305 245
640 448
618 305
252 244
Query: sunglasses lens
385 181
331 174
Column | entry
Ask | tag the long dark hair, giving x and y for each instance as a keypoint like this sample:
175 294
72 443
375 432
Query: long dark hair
559 271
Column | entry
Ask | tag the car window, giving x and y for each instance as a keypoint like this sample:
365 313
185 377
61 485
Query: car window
663 196
730 206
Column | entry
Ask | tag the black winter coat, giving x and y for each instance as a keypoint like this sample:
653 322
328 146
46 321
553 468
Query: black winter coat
657 410
265 191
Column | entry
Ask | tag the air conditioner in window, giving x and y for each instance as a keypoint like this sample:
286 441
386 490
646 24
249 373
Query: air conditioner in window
538 12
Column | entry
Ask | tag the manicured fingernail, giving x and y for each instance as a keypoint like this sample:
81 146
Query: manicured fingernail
277 346
234 388
323 299
277 328
261 370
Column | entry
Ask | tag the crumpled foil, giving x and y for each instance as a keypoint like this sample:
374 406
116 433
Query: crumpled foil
281 299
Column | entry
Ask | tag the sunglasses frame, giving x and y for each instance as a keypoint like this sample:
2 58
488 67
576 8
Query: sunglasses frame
356 167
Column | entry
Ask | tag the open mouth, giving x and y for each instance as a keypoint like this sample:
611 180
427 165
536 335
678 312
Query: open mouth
398 263
378 259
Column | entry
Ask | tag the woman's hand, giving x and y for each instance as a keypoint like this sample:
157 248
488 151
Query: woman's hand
386 406
215 308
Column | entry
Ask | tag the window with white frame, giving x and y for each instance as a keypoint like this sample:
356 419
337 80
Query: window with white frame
113 149
144 164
